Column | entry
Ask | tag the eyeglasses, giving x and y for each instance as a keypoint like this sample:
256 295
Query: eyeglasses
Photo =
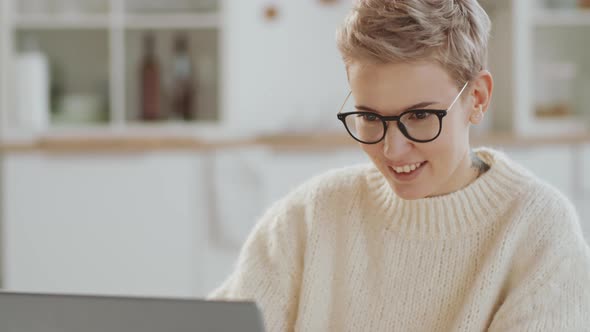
421 126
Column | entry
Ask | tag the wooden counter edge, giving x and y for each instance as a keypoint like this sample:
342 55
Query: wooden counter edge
301 142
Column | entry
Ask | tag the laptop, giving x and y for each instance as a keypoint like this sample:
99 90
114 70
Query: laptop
29 312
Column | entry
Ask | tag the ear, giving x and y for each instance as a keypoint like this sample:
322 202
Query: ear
481 96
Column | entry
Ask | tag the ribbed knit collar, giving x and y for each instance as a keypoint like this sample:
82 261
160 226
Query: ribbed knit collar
463 211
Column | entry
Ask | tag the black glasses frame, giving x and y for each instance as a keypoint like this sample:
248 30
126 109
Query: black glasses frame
385 119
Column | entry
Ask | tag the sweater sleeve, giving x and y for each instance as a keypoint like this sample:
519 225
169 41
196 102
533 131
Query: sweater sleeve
552 287
269 266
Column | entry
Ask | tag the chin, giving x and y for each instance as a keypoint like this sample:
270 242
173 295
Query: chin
408 192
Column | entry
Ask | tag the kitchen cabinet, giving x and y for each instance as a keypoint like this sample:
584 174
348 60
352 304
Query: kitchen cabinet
249 70
110 224
539 60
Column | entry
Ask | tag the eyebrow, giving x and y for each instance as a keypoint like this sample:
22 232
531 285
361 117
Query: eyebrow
413 107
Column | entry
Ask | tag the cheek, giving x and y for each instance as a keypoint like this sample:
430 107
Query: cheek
458 122
434 152
447 149
455 130
374 151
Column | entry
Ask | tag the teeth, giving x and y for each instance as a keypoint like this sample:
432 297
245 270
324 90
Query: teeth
407 168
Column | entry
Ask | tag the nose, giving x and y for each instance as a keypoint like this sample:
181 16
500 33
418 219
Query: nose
395 144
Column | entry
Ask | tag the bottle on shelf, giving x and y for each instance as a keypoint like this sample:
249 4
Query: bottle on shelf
555 88
182 94
32 87
150 108
56 88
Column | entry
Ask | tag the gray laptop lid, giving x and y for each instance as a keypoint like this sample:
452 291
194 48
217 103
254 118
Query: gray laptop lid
21 312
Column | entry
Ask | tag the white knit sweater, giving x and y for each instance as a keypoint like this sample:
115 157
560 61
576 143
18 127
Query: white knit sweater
343 253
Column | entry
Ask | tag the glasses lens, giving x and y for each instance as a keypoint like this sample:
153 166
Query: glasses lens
365 127
421 125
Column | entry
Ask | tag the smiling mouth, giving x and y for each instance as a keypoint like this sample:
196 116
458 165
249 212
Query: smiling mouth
407 169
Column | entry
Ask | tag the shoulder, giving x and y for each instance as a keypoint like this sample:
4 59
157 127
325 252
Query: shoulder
335 183
551 220
548 201
544 218
323 191
539 198
534 207
544 233
544 202
340 179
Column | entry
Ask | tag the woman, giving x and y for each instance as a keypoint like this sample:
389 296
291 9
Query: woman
433 236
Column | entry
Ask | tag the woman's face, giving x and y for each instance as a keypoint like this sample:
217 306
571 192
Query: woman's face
443 165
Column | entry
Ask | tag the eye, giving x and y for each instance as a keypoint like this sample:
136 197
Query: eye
368 117
420 115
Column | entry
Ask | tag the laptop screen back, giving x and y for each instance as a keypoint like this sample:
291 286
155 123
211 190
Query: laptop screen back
75 313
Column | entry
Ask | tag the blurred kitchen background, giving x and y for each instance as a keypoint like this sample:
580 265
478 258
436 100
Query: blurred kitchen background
142 139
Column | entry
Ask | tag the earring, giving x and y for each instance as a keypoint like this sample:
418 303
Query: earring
476 117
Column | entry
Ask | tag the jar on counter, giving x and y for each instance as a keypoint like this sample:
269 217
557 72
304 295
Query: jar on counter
561 4
555 89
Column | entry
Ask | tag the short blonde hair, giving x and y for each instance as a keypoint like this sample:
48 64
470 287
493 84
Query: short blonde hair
453 33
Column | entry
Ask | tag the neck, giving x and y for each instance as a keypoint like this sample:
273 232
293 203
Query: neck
470 168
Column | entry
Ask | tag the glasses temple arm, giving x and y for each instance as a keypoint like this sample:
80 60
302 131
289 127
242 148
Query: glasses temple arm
457 98
344 103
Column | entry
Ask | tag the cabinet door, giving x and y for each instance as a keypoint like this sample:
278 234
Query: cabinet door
118 224
583 202
585 171
583 207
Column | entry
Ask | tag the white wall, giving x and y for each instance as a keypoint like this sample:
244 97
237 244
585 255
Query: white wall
286 72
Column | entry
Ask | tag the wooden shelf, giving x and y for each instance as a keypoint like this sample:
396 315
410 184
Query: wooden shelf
510 140
339 140
283 142
558 17
172 21
87 21
131 21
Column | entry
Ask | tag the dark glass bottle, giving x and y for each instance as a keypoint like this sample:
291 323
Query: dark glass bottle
150 95
183 85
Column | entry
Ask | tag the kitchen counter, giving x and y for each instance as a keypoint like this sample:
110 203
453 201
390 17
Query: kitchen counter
329 141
